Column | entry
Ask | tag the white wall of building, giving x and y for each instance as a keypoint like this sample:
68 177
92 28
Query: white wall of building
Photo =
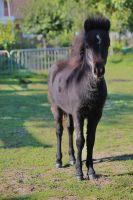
1 8
5 19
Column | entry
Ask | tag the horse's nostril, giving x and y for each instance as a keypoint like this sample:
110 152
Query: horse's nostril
102 70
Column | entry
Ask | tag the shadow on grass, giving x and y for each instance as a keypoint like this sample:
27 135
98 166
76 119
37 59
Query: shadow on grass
21 91
119 80
18 198
106 177
123 157
116 58
125 174
15 79
116 106
117 61
15 111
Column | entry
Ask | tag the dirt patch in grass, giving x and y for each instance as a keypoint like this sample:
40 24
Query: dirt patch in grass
16 182
101 181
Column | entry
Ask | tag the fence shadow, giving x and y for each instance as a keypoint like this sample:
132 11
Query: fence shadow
15 111
123 157
116 106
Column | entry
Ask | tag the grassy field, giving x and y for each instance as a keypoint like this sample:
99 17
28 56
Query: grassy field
28 141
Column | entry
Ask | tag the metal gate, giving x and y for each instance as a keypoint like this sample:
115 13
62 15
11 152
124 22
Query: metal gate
36 60
4 61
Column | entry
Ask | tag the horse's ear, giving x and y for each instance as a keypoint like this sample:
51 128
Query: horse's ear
107 24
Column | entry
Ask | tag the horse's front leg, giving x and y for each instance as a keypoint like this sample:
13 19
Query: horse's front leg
59 131
78 125
70 127
90 140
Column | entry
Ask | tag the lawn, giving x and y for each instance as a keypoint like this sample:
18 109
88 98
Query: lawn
28 141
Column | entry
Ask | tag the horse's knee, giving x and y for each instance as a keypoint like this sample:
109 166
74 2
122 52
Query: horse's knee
54 112
80 141
70 129
59 130
70 126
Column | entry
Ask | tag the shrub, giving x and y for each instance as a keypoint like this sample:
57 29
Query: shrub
7 37
117 46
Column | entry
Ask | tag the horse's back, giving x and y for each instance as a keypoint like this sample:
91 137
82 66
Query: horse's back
53 79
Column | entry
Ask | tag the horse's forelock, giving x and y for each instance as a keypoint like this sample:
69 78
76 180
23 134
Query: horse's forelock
96 22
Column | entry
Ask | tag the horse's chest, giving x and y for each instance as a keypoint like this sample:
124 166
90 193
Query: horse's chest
92 101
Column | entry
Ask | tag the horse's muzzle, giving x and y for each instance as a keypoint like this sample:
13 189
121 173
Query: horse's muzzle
99 70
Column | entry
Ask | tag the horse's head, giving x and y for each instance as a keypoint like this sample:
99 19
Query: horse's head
96 44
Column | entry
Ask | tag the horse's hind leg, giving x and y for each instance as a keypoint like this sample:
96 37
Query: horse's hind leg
58 115
78 125
70 127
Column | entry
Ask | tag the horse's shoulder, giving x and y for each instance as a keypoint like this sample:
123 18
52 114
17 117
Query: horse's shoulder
56 68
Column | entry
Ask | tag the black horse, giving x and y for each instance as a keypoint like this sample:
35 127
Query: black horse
77 88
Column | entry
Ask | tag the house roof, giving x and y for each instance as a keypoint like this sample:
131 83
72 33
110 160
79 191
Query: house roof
17 7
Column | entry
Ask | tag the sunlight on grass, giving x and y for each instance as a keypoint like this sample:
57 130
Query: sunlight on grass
28 141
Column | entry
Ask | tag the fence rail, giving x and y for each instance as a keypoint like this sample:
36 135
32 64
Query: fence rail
36 60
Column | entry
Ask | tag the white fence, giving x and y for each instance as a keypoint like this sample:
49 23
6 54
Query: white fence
36 60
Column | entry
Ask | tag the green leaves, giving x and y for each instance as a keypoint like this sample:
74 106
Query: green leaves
45 16
6 34
55 18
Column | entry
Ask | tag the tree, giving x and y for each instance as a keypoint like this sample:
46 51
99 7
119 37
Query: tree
7 36
46 17
58 20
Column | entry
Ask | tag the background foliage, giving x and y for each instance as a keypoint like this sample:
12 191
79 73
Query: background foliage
61 18
7 36
58 20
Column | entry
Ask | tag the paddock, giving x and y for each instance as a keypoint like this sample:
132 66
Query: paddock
28 140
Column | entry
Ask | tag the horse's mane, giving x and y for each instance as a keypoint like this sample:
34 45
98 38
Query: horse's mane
75 58
76 53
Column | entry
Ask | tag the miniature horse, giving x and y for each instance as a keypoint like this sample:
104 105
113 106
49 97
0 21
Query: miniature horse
77 88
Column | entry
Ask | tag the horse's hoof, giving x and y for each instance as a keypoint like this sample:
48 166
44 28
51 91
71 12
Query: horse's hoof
58 165
72 162
80 177
92 176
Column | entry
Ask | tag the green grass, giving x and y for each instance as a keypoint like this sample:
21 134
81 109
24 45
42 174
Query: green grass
28 141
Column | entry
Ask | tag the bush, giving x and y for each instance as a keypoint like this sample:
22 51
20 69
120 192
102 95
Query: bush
62 40
117 46
7 37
